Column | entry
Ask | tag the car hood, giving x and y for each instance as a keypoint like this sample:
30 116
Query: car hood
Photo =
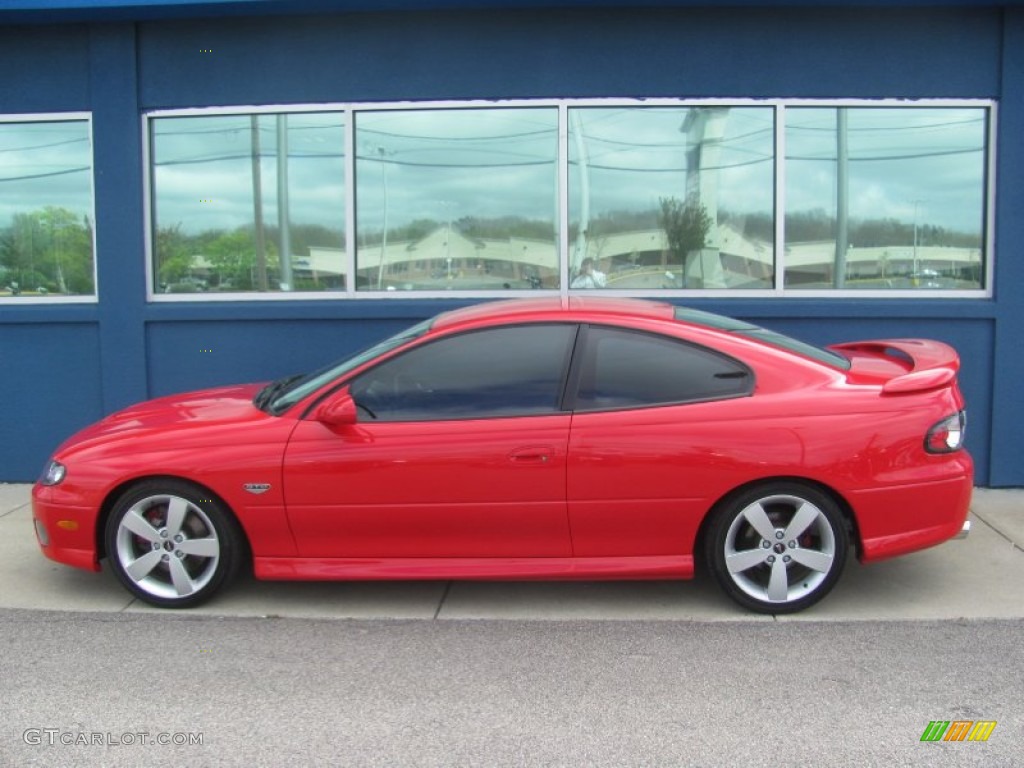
203 410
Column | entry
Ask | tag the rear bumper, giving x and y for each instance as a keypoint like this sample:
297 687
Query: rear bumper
899 520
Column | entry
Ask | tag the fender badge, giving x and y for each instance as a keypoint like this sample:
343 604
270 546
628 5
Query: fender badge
256 487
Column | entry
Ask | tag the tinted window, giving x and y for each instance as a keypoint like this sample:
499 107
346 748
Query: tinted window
623 369
510 371
742 328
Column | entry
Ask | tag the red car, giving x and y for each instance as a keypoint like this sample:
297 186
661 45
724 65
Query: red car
579 438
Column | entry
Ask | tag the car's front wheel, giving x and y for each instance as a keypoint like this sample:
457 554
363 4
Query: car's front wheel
171 544
777 548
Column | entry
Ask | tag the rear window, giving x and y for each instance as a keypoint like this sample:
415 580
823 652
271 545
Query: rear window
756 332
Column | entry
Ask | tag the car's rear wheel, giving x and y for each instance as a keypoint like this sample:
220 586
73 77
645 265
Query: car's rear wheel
171 544
778 548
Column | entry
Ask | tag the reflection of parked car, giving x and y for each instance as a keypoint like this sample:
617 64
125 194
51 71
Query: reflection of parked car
578 438
927 278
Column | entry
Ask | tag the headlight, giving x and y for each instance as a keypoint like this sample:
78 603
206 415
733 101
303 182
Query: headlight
53 473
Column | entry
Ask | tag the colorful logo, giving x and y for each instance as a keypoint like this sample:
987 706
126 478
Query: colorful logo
958 730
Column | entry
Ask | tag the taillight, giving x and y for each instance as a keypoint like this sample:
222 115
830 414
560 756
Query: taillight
948 435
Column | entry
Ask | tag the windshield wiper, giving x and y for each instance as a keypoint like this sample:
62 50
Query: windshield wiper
272 390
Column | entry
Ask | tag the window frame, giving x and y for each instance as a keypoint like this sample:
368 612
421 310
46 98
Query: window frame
55 117
563 246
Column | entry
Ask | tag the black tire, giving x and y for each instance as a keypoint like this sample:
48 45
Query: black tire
171 544
773 567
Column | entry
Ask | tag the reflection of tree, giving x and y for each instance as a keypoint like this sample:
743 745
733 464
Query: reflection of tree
818 226
48 250
686 226
228 258
506 227
233 256
173 254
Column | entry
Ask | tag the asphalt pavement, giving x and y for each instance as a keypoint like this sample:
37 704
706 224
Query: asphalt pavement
979 577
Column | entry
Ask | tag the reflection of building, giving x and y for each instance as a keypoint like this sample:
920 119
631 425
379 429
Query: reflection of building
447 256
813 265
630 258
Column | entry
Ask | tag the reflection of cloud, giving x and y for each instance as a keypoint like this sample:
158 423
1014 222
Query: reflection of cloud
45 164
896 155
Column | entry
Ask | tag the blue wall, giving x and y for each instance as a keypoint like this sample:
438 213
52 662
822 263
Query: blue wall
63 366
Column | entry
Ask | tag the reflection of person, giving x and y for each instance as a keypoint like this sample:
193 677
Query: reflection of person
589 276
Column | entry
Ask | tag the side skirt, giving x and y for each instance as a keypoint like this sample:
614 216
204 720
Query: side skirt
471 568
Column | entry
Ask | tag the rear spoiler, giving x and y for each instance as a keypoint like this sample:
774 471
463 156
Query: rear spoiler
930 364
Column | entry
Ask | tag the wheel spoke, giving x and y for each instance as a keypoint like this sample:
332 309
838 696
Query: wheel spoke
179 576
737 562
177 508
778 584
758 518
208 547
141 568
818 561
140 526
805 515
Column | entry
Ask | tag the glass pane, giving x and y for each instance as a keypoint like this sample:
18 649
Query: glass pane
46 209
625 369
885 197
462 199
231 193
445 380
671 197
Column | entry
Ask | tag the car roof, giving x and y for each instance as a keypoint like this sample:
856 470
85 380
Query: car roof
590 307
516 308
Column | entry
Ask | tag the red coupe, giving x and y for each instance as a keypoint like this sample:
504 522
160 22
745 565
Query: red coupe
579 438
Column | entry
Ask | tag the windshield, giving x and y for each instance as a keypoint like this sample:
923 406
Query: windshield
311 382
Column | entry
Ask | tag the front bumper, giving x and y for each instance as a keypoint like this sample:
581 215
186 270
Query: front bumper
65 532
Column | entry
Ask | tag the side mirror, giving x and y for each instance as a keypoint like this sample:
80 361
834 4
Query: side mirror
339 411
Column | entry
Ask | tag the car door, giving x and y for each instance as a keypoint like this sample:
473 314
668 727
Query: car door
647 440
458 450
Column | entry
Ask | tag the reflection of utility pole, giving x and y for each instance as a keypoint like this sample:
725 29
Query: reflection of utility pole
283 205
916 204
257 202
842 197
583 163
384 240
55 242
447 205
705 129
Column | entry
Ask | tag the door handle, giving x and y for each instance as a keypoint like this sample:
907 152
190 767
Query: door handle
538 454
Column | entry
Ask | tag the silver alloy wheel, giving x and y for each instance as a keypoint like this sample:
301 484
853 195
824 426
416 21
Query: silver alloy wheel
167 546
779 549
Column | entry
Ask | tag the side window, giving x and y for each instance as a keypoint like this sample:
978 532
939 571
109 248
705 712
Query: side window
623 369
497 372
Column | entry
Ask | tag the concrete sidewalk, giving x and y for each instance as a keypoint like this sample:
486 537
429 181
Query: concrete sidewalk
979 577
